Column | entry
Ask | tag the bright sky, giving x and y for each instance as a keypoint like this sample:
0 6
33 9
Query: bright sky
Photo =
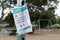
0 11
57 11
6 11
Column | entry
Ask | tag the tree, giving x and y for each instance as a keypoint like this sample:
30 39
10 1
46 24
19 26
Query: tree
9 19
51 15
37 6
7 4
42 9
58 20
38 12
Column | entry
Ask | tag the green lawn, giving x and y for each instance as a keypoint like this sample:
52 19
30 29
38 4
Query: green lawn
0 28
6 28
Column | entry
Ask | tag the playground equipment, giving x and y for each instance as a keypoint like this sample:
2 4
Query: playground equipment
49 23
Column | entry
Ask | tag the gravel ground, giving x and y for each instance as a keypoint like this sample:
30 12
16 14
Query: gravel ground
38 35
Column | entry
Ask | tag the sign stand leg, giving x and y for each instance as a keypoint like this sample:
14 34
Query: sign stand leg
20 37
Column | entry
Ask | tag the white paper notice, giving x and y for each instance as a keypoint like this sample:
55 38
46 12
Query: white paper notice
22 20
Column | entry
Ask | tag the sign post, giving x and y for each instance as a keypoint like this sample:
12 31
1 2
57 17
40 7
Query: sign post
20 37
22 19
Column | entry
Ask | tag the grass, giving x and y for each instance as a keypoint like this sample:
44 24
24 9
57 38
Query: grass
0 28
56 27
6 27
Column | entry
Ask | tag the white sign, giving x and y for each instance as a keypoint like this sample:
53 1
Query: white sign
22 20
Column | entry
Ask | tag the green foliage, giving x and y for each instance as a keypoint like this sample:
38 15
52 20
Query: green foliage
6 27
15 2
49 14
38 2
58 20
10 19
0 28
36 15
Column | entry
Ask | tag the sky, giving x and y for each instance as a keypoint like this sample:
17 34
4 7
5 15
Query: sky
0 12
6 11
57 11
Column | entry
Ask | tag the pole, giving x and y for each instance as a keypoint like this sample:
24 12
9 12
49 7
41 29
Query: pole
39 24
20 37
19 2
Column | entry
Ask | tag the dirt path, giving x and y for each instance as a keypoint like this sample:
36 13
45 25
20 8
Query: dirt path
7 37
38 35
45 35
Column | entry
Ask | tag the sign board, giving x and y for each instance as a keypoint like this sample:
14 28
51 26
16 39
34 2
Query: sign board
22 20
